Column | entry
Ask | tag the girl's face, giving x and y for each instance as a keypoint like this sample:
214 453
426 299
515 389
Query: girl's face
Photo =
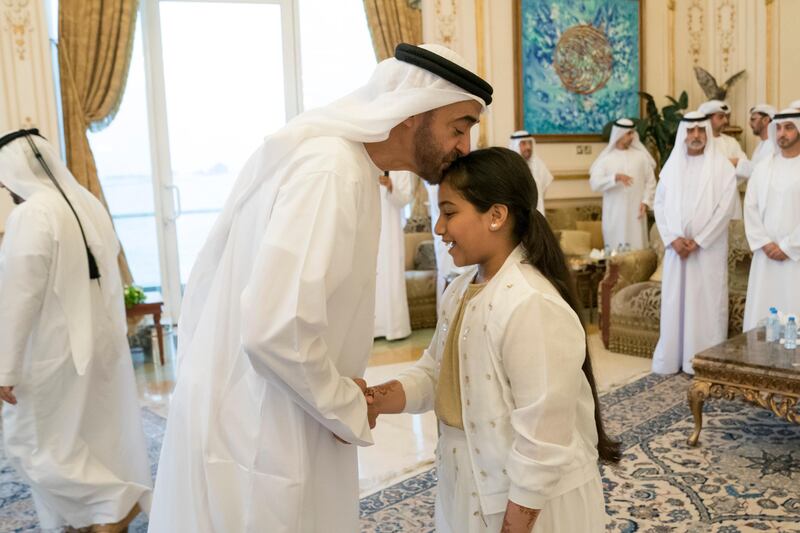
467 232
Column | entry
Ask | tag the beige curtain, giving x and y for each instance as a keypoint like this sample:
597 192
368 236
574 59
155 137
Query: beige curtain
392 22
95 40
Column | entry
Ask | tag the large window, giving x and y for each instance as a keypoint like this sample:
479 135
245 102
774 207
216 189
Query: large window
208 81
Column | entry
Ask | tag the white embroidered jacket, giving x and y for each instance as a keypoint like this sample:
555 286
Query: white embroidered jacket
527 407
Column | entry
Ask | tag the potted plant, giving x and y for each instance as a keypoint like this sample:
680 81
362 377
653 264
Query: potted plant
133 295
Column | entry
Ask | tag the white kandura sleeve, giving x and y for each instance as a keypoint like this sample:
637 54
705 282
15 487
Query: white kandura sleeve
753 225
304 257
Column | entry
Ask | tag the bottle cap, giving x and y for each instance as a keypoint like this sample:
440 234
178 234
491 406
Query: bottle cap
792 318
773 310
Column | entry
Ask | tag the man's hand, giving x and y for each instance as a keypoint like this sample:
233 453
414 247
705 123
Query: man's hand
624 179
386 181
7 395
774 252
680 247
734 161
372 409
642 210
363 386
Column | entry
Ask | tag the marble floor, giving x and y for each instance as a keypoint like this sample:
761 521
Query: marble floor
404 444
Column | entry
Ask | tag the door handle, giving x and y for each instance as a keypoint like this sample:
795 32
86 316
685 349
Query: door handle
176 202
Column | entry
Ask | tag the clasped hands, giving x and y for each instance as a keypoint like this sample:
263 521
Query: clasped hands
385 398
774 252
684 247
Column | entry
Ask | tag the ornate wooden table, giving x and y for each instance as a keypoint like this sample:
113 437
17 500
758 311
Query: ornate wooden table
746 366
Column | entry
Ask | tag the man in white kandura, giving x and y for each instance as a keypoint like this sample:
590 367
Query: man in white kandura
760 118
695 201
524 144
391 305
71 424
718 113
772 222
278 315
624 173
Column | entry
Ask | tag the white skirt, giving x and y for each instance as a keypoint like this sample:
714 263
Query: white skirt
458 508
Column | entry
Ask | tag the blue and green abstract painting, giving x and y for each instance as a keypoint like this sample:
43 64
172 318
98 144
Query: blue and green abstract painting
580 64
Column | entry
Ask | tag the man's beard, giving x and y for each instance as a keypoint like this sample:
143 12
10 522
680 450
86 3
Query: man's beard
696 145
428 157
784 143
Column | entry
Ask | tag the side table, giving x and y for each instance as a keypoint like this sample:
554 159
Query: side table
154 309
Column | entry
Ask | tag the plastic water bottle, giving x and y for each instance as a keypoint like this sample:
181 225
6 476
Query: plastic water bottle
790 342
773 333
607 250
627 247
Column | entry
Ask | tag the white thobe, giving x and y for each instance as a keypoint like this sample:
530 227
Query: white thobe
391 305
75 439
761 151
264 381
621 221
694 291
771 215
542 177
445 267
731 149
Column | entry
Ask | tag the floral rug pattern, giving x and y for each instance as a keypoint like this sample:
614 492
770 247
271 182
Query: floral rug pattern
743 477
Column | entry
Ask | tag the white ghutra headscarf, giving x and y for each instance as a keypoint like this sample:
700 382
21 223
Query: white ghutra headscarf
516 139
620 128
715 165
22 174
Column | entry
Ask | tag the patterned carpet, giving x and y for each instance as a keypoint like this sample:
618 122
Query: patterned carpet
744 476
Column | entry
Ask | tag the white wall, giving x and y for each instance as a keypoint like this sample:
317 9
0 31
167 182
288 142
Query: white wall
722 36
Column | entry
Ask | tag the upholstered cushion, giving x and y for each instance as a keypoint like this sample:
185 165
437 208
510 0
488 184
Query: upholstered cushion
420 224
421 294
657 245
659 271
425 256
412 240
574 242
642 300
595 229
565 217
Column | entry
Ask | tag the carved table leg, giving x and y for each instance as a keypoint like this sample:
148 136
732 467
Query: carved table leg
697 395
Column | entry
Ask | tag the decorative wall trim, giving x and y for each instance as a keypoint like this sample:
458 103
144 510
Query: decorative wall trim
18 23
480 40
670 45
769 6
726 32
27 89
695 26
446 23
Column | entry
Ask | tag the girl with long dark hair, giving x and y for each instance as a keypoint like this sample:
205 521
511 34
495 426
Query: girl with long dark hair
507 371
